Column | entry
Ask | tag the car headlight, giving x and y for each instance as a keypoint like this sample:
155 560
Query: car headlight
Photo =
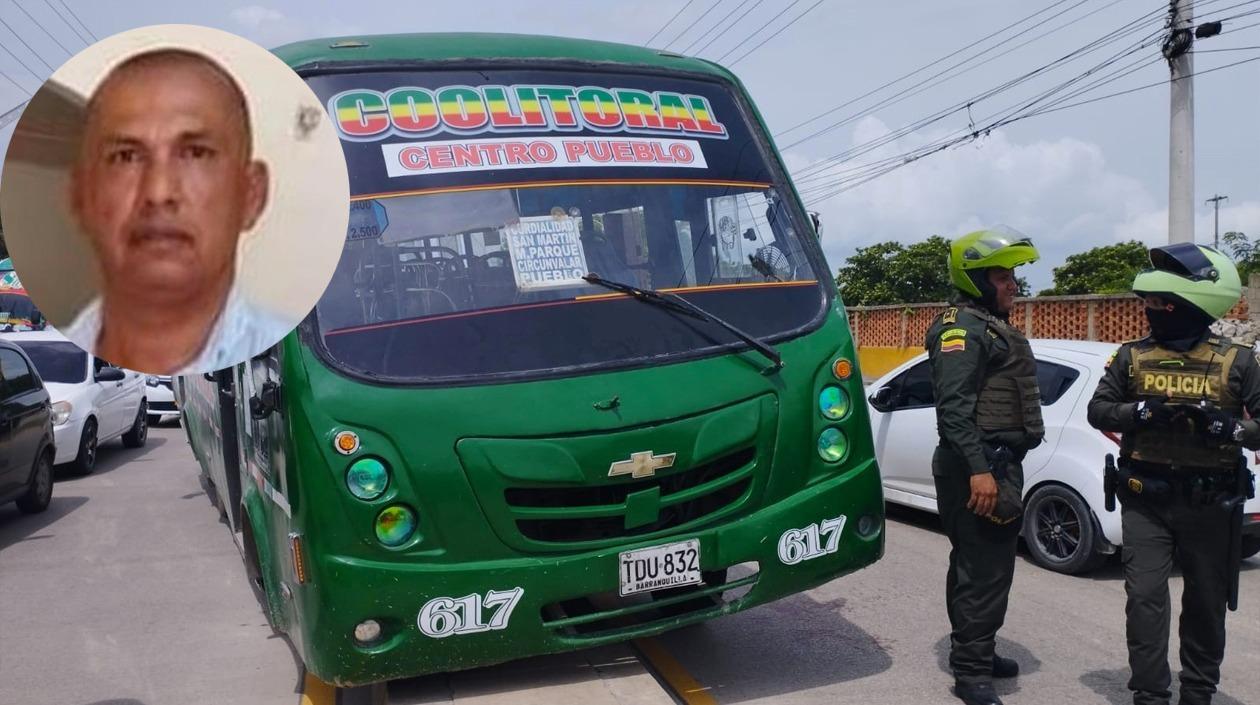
152 381
61 412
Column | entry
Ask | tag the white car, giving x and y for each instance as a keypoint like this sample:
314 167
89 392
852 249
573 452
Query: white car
1066 525
92 401
161 399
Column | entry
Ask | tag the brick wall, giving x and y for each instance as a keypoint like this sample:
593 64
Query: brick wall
1113 318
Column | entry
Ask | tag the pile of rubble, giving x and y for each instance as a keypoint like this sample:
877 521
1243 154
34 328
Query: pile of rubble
1245 332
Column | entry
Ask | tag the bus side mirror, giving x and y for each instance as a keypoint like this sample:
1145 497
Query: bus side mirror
817 218
267 401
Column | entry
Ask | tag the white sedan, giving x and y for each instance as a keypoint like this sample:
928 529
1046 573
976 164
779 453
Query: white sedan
161 399
1066 525
92 401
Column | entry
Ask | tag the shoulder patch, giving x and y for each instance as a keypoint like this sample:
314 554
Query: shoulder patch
951 315
954 333
1111 358
955 345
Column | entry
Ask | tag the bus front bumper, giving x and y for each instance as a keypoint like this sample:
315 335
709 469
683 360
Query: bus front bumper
444 617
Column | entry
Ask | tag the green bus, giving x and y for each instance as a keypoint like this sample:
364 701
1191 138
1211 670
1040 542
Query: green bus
580 376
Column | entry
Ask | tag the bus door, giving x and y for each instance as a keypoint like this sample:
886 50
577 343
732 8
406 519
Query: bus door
262 440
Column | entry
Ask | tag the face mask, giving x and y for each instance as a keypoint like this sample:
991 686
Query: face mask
1175 325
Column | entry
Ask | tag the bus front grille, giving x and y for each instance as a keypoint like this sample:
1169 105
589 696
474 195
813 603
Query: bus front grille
615 510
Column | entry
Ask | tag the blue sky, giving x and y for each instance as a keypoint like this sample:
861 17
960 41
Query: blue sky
1083 176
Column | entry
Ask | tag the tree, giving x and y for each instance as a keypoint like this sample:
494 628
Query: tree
1103 270
892 273
1246 253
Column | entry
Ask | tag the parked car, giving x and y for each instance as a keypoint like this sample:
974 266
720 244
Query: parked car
160 397
92 401
26 433
1066 527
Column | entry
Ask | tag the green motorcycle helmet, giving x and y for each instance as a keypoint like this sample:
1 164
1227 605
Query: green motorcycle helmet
975 252
1197 274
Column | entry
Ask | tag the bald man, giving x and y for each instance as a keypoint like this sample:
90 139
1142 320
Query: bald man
164 185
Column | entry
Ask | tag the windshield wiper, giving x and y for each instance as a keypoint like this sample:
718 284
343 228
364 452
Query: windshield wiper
676 303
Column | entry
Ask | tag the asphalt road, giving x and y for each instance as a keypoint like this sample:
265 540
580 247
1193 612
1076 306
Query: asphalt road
128 591
881 635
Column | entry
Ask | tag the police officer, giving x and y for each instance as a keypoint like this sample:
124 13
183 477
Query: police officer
988 415
1178 396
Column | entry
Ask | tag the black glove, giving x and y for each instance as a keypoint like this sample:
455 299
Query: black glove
1153 412
1216 425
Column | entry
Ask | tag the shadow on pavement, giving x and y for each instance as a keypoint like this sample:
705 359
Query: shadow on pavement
121 701
1005 647
111 455
16 526
807 644
1113 685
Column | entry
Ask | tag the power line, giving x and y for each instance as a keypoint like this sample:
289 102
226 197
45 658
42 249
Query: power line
62 17
717 24
966 105
777 32
28 46
694 23
729 27
927 83
19 86
757 31
918 70
76 19
1001 123
1212 51
44 30
668 22
23 63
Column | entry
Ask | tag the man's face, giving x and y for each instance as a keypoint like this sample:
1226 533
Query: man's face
164 185
1003 280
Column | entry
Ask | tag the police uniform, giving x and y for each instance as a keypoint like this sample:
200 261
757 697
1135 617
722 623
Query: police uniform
985 381
1172 485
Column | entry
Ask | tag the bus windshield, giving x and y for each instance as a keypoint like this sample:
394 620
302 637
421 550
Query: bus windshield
481 199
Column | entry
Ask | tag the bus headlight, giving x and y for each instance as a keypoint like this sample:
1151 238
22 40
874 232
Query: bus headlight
833 403
395 525
367 478
61 412
833 445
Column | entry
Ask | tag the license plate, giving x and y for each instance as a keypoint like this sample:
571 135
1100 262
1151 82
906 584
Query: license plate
660 567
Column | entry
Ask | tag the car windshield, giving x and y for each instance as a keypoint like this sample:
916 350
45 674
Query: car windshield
464 257
57 362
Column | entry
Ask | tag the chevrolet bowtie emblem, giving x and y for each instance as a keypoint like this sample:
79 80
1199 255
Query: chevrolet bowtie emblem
642 464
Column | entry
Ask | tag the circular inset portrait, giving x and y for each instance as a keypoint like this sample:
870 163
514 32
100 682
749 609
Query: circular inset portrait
174 200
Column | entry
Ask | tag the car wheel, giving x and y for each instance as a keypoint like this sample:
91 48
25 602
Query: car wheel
1059 530
39 494
85 462
1250 546
139 431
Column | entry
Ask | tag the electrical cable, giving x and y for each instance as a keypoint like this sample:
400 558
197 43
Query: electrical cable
776 33
668 22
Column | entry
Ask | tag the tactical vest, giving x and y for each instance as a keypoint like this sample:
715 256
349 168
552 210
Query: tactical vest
1009 398
1199 374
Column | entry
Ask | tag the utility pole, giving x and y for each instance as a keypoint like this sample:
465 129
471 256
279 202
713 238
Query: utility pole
1216 219
1176 50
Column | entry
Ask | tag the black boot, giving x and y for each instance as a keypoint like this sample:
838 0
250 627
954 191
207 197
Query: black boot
1004 667
976 694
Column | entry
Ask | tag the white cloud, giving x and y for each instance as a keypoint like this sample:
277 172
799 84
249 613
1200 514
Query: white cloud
255 16
1059 192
